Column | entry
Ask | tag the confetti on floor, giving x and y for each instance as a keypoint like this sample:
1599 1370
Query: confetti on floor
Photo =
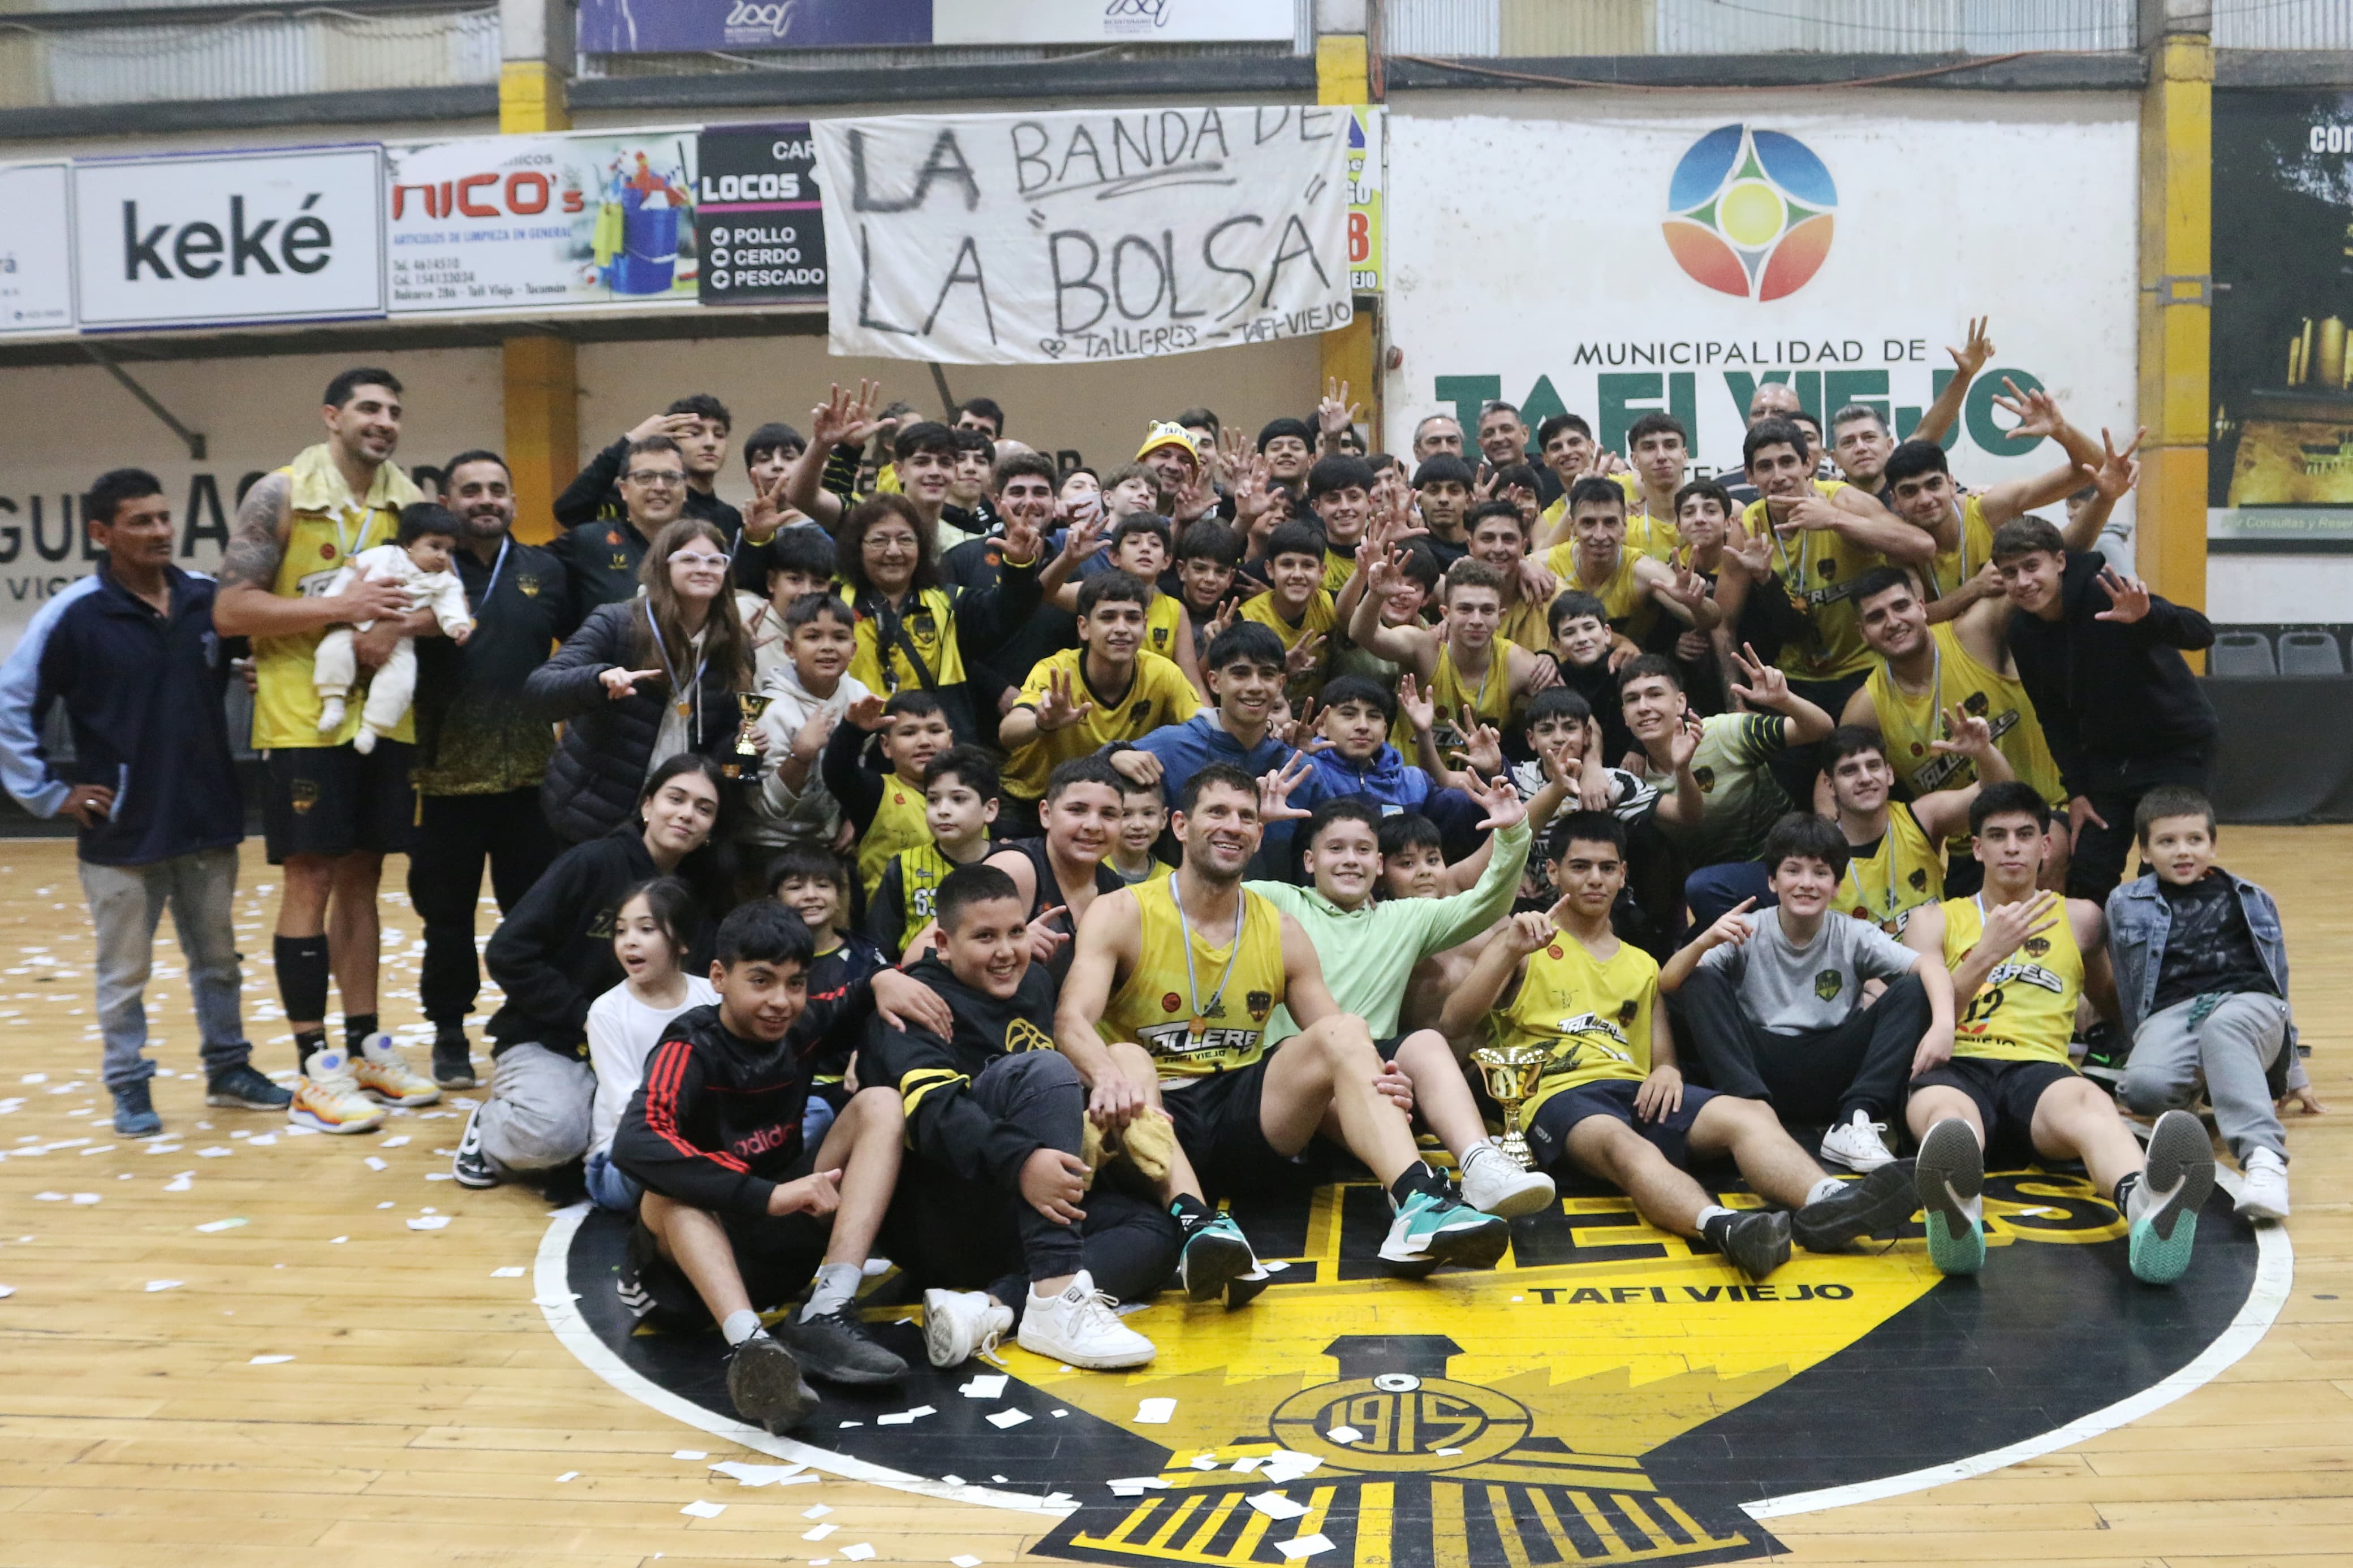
1156 1412
989 1386
700 1509
1004 1420
510 1272
430 1222
268 1360
155 1285
858 1554
1274 1505
1303 1546
211 1227
568 1476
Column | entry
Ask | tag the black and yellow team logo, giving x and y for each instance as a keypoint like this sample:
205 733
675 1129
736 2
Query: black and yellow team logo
1706 778
1918 879
527 585
1976 704
2038 946
302 794
1021 1034
1261 1004
1613 1393
1828 983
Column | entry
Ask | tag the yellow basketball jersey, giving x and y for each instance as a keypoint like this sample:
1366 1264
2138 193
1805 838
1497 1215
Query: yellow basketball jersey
1528 623
928 618
2025 1011
327 526
1820 569
1164 623
1159 694
1647 533
1911 721
1955 566
1591 1015
1320 617
921 869
1200 1011
1903 872
1490 697
1631 609
898 824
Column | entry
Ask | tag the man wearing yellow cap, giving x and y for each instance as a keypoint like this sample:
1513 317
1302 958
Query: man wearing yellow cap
1168 451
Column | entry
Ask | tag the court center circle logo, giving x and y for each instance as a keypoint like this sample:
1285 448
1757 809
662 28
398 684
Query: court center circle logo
1750 212
1612 1392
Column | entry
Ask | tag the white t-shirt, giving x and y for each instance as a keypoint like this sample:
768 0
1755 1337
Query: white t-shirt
622 1033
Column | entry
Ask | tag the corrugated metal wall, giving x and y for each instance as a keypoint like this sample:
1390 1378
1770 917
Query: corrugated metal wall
258 56
2284 24
1473 28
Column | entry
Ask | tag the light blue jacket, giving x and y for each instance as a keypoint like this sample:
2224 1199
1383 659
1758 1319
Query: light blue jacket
2139 920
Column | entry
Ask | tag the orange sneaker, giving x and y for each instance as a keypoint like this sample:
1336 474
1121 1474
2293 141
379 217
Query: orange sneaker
382 1072
327 1096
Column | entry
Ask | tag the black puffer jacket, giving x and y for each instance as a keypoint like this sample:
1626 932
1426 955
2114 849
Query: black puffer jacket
599 767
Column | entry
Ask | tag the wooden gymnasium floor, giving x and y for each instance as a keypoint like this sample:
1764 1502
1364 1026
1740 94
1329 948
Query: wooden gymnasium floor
428 1414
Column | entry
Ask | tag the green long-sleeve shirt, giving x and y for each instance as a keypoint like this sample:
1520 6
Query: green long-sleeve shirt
1369 953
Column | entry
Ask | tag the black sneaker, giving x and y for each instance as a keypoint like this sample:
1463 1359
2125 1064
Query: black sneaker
242 1087
1756 1242
766 1386
453 1060
1215 1255
2106 1049
470 1166
1872 1205
833 1346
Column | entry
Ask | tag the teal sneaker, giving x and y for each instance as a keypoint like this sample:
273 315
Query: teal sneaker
134 1111
2161 1208
1949 1177
1215 1254
1430 1230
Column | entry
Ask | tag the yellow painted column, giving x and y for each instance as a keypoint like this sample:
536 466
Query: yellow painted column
2176 310
1350 353
540 385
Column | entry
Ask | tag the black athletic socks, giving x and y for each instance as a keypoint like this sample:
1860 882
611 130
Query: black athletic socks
357 1027
307 1043
1416 1178
1190 1213
301 964
2125 1184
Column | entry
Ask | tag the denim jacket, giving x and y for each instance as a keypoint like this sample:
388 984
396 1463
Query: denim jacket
2139 919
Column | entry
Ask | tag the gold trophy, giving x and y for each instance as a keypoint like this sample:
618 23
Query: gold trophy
745 763
1511 1073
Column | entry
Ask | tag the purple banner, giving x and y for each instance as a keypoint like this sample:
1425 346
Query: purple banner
662 26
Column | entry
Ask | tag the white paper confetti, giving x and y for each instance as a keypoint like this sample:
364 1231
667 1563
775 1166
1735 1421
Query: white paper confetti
1135 1486
989 1386
337 1240
155 1285
901 1418
817 1510
689 1454
212 1226
216 1152
1345 1435
819 1533
700 1509
376 1164
1303 1546
385 1204
185 1181
1274 1505
966 1560
268 1360
568 1476
858 1554
430 1222
7 1291
266 1140
1156 1412
48 1197
1004 1420
393 1142
510 1272
1250 1462
85 1199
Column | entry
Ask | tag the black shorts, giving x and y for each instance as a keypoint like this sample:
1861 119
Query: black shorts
1217 1125
1669 1135
777 1255
330 800
2005 1093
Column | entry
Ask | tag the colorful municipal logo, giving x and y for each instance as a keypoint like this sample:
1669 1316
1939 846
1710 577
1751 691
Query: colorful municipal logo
1750 212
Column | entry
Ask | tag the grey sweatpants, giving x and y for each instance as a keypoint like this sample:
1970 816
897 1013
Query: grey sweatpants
537 1117
2229 1049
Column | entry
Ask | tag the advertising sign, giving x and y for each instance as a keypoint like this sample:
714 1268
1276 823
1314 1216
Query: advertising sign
506 223
1108 21
657 27
1737 245
36 254
203 237
1099 234
2281 459
1367 157
759 228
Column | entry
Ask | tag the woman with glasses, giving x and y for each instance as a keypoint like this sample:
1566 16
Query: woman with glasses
643 680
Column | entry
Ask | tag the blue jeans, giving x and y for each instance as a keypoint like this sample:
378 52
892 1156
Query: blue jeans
609 1188
126 903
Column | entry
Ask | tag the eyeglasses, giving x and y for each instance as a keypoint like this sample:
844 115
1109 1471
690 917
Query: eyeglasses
698 559
656 478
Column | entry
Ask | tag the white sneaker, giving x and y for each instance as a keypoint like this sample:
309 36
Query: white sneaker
327 1098
1492 1182
1080 1327
961 1324
1859 1143
2263 1193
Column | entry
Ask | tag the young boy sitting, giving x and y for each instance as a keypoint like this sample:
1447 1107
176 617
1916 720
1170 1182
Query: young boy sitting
1773 1001
2200 963
887 810
1611 1101
959 808
999 1217
419 561
736 1207
808 690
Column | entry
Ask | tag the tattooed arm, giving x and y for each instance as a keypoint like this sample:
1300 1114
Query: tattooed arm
247 605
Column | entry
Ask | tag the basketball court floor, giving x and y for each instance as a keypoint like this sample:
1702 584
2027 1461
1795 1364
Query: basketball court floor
237 1346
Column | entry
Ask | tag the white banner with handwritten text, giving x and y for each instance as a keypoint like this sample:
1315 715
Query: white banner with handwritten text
1043 238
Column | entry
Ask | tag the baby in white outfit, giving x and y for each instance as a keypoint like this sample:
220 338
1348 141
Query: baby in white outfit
420 560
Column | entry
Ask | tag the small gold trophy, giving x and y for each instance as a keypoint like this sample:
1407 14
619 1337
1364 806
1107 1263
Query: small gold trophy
745 763
1511 1073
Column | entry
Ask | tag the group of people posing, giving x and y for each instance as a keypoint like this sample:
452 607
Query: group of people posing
995 868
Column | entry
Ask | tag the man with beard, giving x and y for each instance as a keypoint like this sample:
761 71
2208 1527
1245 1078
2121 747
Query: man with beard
1167 1004
480 751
